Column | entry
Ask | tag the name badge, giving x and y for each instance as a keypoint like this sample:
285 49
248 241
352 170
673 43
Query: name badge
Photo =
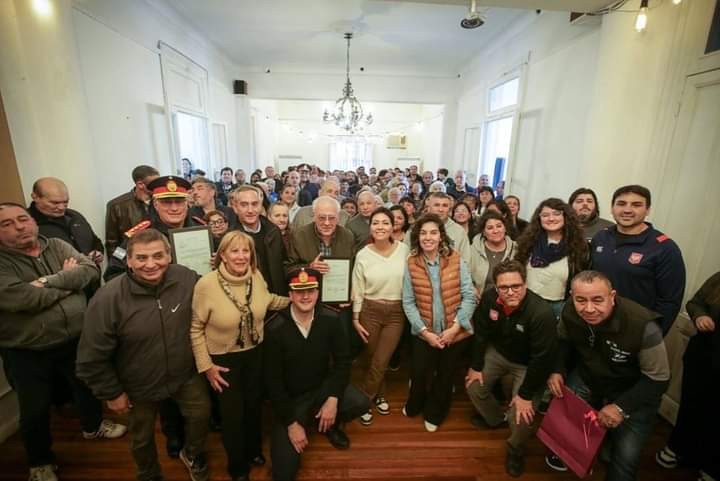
519 327
119 253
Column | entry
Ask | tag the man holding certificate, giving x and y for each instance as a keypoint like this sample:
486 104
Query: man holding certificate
328 248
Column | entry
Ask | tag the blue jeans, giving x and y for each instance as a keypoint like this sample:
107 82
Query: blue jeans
627 440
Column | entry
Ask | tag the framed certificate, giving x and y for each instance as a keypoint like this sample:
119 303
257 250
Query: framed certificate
336 283
192 248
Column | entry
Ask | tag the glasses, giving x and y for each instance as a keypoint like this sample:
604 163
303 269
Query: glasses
513 287
327 219
214 223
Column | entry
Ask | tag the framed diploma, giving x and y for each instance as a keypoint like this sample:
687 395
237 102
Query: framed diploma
336 283
192 248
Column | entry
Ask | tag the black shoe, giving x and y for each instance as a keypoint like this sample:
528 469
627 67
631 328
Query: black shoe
197 466
555 463
173 446
338 438
514 462
258 460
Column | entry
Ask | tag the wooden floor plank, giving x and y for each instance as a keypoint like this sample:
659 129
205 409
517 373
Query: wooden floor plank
393 448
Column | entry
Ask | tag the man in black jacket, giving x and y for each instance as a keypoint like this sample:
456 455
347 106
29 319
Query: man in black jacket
269 247
515 335
50 210
135 352
307 374
621 368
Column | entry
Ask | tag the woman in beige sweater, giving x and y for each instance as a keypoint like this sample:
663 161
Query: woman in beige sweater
229 306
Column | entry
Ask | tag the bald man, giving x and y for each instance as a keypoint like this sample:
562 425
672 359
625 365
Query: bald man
49 208
304 216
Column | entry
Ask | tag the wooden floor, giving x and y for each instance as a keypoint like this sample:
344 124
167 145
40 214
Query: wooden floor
392 448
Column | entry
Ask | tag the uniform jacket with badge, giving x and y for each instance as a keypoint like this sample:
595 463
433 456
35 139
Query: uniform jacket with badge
608 354
136 337
39 318
117 262
122 213
525 336
647 268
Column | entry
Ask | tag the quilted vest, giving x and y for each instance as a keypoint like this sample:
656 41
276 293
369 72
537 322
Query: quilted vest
449 286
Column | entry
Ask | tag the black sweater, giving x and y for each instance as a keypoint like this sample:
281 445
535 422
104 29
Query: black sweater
525 336
706 302
295 365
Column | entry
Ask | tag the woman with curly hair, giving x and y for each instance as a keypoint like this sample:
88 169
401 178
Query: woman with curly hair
554 249
438 300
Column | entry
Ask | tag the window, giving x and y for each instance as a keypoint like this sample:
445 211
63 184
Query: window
502 102
350 153
504 95
192 142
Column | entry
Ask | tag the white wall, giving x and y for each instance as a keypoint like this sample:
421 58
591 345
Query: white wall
279 122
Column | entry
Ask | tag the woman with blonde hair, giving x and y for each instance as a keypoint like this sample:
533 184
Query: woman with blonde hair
229 307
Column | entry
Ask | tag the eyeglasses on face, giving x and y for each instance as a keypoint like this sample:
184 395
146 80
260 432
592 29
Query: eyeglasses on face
512 287
218 222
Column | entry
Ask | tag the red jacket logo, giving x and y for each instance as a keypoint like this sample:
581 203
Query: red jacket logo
635 258
494 315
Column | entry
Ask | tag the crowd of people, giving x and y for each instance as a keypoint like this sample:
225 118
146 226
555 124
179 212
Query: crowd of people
443 275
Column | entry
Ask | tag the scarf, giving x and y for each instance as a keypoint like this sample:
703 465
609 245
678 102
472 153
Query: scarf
545 253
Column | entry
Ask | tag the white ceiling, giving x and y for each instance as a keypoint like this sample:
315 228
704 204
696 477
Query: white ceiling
391 36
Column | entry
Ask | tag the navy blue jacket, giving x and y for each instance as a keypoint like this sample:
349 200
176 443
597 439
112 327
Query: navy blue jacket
647 268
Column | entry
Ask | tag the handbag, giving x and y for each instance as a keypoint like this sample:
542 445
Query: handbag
571 430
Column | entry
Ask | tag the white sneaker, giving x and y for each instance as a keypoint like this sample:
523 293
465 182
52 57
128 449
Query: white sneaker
366 419
108 430
382 406
404 412
43 473
430 427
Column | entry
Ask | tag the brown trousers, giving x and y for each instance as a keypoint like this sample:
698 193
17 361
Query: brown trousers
384 321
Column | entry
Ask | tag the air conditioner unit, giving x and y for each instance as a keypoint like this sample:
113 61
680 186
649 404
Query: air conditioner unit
396 141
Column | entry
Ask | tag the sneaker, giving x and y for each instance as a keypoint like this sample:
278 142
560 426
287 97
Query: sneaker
394 365
366 419
197 467
430 427
554 462
514 462
382 406
404 412
45 472
107 430
666 458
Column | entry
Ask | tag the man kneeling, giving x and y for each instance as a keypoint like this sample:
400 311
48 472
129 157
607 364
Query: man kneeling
307 372
515 335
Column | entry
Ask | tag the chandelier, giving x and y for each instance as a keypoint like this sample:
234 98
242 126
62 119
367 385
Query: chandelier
348 110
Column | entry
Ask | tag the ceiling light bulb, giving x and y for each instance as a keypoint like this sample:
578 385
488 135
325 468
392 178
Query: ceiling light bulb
676 2
641 20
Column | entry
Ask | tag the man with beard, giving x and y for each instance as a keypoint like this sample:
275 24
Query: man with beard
585 204
642 263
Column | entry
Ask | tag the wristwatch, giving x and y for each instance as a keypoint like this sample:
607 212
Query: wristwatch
43 280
